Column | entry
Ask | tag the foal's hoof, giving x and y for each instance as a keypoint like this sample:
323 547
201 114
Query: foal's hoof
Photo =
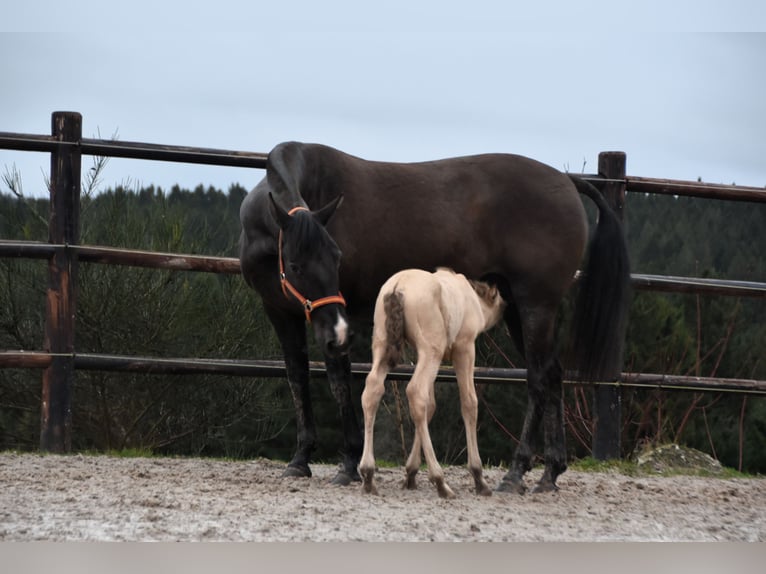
445 491
368 481
297 471
344 478
512 486
484 490
409 483
369 488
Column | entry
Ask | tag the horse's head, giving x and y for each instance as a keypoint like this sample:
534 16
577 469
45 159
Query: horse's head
309 261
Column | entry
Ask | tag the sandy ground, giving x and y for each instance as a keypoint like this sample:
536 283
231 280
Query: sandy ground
67 498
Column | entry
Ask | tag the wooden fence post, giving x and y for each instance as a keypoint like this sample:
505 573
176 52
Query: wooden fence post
607 399
60 306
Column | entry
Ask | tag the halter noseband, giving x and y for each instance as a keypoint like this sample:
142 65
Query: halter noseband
308 305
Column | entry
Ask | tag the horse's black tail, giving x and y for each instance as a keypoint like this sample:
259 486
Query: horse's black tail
393 305
603 296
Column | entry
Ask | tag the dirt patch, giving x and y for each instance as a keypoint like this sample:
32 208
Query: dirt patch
63 498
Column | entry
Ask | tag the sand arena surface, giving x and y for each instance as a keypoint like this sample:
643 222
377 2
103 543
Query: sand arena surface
67 498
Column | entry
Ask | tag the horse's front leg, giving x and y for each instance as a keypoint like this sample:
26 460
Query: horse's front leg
339 373
291 332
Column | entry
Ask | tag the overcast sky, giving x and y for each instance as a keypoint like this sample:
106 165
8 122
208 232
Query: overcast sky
679 86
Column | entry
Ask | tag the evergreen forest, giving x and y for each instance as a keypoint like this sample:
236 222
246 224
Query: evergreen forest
147 312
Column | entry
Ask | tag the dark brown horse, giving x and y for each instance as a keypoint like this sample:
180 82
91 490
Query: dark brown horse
505 219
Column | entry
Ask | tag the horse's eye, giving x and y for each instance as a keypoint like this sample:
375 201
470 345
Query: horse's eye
295 268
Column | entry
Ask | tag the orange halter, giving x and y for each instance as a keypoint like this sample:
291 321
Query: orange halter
308 305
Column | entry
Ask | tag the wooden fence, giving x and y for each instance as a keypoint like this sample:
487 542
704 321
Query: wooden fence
59 360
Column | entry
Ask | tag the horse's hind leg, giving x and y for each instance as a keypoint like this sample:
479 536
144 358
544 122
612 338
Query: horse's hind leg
374 388
543 374
463 357
553 423
421 399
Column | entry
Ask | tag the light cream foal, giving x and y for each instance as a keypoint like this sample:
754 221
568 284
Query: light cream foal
439 314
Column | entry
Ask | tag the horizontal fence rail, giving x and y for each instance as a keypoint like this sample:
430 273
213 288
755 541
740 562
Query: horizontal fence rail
699 285
117 256
136 150
267 368
680 187
694 189
230 265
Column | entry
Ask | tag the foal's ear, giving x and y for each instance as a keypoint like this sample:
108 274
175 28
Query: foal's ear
325 214
495 296
280 215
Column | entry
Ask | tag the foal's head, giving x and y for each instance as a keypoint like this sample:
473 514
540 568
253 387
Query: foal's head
310 259
492 304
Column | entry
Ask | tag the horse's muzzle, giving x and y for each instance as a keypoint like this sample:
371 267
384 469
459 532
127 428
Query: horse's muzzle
332 331
334 347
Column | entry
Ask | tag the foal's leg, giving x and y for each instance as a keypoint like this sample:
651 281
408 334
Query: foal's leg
420 395
463 357
412 465
414 458
374 388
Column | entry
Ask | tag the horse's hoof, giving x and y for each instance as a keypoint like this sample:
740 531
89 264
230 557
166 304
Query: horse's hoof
544 486
512 486
295 471
484 491
344 478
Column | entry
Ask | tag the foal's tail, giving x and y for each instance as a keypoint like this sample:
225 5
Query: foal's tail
393 305
602 302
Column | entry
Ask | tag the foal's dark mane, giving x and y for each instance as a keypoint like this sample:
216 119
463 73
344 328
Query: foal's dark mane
483 290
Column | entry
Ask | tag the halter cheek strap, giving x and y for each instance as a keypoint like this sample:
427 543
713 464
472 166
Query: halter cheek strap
308 305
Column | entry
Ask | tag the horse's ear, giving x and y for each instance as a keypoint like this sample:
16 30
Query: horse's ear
325 214
280 215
